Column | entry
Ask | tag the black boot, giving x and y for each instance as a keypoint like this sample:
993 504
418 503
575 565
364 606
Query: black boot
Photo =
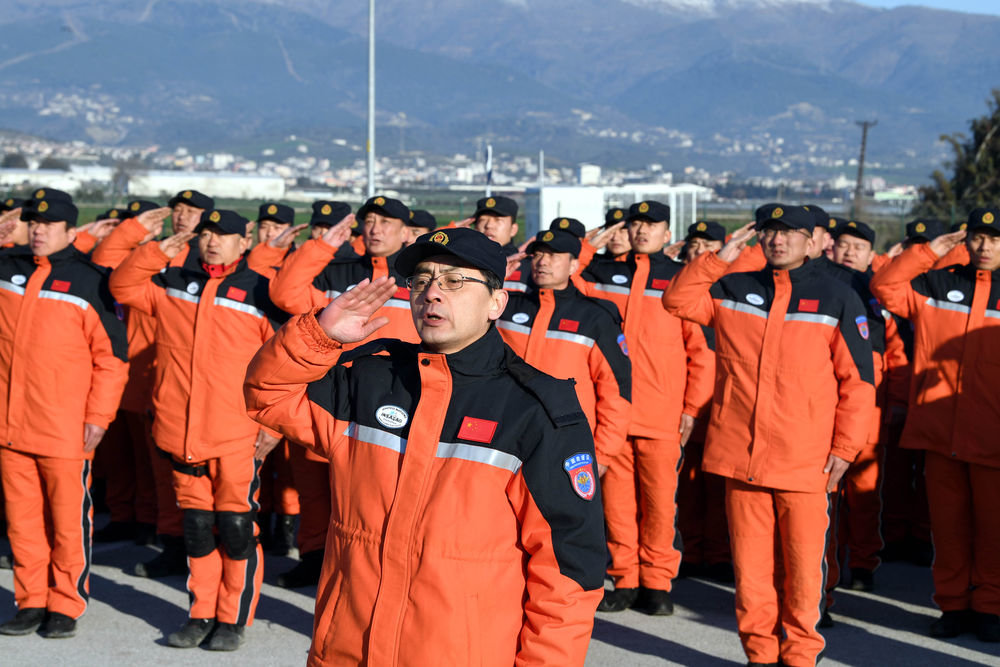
227 637
306 573
58 626
283 541
115 531
862 580
951 624
654 602
619 599
987 626
172 560
145 534
191 633
24 622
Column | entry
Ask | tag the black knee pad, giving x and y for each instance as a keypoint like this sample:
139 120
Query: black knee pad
199 540
236 534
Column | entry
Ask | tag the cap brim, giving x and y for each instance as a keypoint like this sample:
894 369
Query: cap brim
412 255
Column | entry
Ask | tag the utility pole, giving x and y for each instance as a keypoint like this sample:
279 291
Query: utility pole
858 189
371 98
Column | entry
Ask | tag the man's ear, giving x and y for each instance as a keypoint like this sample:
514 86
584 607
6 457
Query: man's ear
499 298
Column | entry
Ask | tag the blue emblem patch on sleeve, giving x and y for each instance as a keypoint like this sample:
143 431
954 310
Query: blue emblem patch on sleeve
580 468
862 323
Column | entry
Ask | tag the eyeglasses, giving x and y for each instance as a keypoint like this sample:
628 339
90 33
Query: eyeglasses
449 282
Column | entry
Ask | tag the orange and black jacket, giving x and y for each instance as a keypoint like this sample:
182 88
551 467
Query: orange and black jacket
63 354
671 362
207 330
571 336
794 380
467 525
311 277
956 353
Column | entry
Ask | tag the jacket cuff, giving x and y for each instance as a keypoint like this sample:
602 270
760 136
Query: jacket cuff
97 420
313 334
844 452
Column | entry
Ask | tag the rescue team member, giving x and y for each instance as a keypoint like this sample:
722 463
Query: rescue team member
63 366
124 460
670 386
496 217
858 505
617 245
279 500
952 415
701 497
792 407
313 276
421 222
556 329
185 209
447 484
211 315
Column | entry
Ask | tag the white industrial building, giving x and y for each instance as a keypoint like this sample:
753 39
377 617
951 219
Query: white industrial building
588 203
165 184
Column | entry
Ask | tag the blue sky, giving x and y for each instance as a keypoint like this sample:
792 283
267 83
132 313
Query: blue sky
977 6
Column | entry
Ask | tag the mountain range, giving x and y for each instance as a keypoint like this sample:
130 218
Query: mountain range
742 85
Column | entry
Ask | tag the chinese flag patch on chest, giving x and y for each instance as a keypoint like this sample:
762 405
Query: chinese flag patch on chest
569 325
60 285
660 283
477 430
514 275
236 294
808 305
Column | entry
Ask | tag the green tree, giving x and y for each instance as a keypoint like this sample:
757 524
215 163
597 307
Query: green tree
976 170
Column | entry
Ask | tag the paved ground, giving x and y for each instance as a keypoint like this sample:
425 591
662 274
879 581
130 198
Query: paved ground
128 618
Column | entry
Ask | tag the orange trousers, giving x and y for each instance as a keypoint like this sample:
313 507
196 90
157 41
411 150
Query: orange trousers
277 490
49 523
779 545
312 480
640 489
701 511
221 586
965 527
124 457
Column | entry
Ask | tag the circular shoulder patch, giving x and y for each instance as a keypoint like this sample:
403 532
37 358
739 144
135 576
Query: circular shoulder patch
755 299
520 318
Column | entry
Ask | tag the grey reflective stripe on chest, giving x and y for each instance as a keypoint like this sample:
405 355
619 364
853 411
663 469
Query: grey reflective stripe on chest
571 337
948 305
182 295
238 305
61 296
815 318
510 326
11 287
614 289
445 450
743 308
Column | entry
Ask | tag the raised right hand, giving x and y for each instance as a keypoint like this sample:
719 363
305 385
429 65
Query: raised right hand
599 237
152 220
340 232
944 244
172 245
348 317
285 239
737 242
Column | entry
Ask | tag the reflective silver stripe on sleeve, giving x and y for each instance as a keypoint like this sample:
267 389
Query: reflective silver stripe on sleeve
515 285
182 295
377 437
991 313
948 305
11 287
743 308
571 337
68 298
397 303
332 294
510 326
812 317
236 305
614 289
658 293
491 457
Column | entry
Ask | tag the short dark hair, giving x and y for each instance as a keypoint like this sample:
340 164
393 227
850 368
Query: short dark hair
493 281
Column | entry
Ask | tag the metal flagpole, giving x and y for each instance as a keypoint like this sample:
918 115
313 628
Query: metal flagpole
489 169
371 98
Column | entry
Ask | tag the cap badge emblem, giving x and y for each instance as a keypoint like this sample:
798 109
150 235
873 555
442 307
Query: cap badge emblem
920 228
701 227
852 224
134 206
379 201
215 217
619 214
643 207
491 202
440 237
272 209
43 207
548 236
326 210
40 194
778 212
564 223
187 194
988 218
113 213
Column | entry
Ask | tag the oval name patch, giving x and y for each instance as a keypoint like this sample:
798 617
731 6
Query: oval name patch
955 296
755 299
392 416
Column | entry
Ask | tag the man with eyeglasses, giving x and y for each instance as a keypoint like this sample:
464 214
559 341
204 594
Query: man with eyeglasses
792 407
559 331
467 524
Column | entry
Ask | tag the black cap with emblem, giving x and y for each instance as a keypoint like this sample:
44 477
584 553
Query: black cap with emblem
10 204
982 219
706 229
614 216
571 225
423 219
112 214
557 240
500 206
467 244
387 206
192 198
328 213
855 228
793 217
279 213
137 207
226 222
51 194
653 211
48 210
924 230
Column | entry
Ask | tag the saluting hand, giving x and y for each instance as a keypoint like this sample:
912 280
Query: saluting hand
673 250
465 223
895 250
286 238
7 225
513 262
737 242
944 244
835 467
172 245
152 220
340 232
92 435
264 445
100 228
348 317
599 237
